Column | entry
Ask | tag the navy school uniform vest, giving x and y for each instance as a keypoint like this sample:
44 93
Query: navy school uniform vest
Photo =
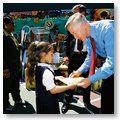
46 102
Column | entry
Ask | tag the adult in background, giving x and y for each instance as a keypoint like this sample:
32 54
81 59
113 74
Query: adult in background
75 54
11 65
102 35
104 15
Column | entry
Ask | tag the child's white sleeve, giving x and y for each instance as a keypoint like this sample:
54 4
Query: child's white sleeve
48 80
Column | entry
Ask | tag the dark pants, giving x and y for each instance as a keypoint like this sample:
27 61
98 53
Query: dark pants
10 85
6 91
86 95
75 62
107 96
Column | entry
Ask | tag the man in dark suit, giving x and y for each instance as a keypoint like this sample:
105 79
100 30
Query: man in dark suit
11 65
75 54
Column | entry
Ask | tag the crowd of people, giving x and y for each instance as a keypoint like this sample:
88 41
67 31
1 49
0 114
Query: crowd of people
88 52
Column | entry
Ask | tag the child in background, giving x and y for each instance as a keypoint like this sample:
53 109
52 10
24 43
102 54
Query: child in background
40 56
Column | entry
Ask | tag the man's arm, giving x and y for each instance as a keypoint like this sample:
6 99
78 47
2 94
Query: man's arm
107 68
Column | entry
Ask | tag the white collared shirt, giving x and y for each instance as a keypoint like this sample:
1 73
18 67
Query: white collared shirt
75 48
48 77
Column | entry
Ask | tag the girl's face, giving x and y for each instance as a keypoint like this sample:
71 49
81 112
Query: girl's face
48 57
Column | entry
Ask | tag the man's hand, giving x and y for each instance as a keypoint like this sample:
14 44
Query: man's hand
84 83
6 73
74 74
20 46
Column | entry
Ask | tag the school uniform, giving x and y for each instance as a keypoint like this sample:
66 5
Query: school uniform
46 102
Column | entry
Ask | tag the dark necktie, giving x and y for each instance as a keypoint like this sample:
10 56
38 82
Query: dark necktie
93 57
79 45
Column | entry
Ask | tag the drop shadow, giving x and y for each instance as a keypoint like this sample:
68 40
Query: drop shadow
78 109
26 108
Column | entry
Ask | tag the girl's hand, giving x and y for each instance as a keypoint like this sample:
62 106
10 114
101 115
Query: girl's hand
72 86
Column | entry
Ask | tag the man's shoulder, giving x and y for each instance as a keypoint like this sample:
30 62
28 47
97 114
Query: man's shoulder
105 22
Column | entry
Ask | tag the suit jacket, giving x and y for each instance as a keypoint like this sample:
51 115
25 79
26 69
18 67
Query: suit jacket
70 44
11 56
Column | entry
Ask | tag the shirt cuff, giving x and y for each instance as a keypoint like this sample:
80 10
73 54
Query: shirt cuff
80 70
50 87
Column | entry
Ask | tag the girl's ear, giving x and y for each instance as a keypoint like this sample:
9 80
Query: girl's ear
42 55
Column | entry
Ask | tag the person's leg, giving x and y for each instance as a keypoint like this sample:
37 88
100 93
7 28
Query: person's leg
68 96
66 100
86 91
86 95
6 102
86 98
107 96
6 90
16 90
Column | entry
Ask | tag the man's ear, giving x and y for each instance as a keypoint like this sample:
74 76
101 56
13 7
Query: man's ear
83 24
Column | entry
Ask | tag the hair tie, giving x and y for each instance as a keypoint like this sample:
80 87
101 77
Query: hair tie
36 44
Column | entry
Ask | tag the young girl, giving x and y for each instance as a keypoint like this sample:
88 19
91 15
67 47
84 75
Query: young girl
40 56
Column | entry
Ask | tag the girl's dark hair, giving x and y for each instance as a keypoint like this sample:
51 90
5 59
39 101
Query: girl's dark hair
33 55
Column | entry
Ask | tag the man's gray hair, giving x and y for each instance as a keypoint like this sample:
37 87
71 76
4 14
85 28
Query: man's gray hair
75 19
80 6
